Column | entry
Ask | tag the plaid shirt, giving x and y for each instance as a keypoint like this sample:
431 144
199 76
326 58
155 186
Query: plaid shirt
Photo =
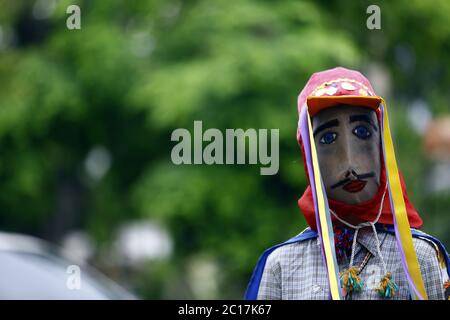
297 271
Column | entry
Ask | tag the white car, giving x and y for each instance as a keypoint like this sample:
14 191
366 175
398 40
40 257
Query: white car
32 269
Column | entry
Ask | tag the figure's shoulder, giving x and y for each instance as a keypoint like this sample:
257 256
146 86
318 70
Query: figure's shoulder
427 247
290 248
293 247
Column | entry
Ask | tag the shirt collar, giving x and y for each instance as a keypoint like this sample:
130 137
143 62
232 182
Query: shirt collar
366 239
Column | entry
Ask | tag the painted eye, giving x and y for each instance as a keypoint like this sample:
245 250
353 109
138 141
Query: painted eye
328 138
362 132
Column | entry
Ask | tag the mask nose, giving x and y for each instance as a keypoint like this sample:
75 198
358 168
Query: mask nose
348 156
351 174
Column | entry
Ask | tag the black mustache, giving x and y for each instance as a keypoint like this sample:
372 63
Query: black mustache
359 176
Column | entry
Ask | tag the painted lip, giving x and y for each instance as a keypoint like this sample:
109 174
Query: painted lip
355 186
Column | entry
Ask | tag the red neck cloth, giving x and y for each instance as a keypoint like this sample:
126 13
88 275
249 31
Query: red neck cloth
366 211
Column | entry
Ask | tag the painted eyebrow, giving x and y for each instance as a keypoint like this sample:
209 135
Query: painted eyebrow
326 125
364 118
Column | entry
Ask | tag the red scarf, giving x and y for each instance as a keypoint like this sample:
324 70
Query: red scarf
366 211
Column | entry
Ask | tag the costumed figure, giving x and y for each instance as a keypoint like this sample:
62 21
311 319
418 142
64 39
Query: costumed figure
363 239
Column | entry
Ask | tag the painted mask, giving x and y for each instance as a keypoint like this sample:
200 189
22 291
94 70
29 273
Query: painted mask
347 139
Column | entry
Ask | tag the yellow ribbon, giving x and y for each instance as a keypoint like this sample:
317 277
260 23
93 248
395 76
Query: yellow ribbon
401 216
331 267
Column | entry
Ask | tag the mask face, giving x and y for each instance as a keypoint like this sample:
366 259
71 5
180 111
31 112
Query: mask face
347 140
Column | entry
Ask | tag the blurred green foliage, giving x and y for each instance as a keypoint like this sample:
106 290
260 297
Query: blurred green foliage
139 69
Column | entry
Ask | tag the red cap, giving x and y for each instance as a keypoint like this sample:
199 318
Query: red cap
337 86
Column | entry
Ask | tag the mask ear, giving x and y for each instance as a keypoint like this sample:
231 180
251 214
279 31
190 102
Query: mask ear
402 228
